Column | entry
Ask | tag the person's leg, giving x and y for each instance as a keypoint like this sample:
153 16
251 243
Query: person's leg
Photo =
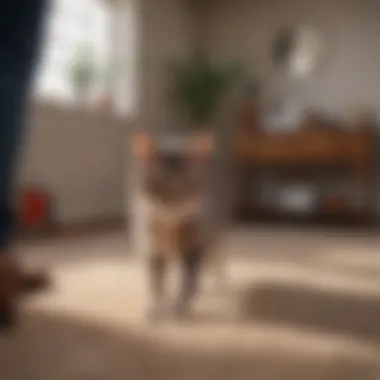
20 29
20 32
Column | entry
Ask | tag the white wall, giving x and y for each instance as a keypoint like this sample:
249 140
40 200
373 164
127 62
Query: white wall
80 157
350 76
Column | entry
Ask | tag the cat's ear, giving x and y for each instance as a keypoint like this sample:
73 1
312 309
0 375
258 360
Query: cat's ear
203 146
142 146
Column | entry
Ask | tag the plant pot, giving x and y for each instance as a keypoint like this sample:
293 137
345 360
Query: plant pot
203 127
105 102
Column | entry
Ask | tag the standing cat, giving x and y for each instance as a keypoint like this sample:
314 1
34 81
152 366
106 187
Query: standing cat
175 185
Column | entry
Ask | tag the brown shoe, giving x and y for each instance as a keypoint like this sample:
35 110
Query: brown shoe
14 283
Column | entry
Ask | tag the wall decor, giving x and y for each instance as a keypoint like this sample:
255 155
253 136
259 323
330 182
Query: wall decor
298 50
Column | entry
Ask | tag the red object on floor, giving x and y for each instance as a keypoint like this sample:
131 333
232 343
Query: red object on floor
35 208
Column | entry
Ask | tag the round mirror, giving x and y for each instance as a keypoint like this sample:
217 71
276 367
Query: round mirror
298 50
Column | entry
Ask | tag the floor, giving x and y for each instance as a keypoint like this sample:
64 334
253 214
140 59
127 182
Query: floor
296 305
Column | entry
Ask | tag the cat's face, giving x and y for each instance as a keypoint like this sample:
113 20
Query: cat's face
174 176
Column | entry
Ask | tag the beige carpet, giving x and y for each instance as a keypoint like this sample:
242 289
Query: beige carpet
296 306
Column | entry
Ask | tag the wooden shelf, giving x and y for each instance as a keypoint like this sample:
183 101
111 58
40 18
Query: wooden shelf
313 155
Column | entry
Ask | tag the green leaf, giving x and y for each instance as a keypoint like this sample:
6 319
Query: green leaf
199 86
82 69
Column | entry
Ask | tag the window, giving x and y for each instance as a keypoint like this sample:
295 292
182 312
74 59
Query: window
107 31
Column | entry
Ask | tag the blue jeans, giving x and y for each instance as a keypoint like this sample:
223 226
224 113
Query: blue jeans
20 30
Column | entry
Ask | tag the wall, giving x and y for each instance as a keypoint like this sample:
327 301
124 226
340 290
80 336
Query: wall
165 33
350 75
80 157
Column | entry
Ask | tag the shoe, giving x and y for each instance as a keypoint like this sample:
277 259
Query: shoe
15 283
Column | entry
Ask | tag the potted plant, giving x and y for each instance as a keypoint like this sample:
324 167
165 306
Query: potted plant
199 86
82 73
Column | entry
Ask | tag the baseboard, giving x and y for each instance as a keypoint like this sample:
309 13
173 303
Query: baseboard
76 228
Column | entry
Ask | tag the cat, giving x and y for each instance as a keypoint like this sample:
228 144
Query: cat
175 186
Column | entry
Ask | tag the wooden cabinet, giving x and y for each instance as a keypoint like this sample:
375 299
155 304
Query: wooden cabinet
311 153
